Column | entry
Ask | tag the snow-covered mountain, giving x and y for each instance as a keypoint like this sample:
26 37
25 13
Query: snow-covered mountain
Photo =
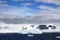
27 28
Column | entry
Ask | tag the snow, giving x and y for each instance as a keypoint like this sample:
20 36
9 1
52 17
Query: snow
58 37
30 35
24 28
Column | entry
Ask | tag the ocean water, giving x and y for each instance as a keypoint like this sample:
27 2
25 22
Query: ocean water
44 36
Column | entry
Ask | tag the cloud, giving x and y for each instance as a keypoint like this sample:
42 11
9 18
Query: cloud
57 2
35 20
23 14
13 11
26 4
48 12
17 0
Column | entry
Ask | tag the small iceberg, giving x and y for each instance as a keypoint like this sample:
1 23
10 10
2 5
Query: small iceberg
58 37
30 35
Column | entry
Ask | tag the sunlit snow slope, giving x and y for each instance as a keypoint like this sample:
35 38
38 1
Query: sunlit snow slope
24 28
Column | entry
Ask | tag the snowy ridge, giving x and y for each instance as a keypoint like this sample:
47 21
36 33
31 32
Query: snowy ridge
24 28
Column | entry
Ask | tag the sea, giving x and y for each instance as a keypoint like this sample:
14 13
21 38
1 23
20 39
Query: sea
43 36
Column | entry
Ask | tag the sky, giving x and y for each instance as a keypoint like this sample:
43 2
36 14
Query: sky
30 11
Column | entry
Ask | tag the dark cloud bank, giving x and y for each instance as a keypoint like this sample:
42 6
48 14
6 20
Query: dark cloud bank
34 20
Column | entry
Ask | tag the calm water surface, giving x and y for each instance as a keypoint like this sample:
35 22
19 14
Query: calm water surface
44 36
